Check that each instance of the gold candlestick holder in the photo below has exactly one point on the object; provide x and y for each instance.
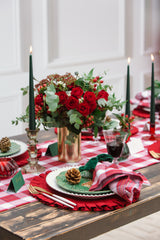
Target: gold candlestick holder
(32, 166)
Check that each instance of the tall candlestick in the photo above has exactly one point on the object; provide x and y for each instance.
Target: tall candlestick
(31, 95)
(152, 105)
(127, 111)
(152, 136)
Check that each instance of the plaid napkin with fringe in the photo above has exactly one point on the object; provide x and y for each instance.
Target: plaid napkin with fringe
(122, 181)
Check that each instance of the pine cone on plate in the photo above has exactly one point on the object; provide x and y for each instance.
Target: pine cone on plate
(73, 176)
(5, 144)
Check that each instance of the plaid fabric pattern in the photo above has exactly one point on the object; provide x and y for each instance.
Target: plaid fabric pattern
(89, 149)
(142, 103)
(122, 181)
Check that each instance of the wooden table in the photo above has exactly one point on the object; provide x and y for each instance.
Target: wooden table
(37, 221)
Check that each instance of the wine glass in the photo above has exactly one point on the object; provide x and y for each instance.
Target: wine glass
(115, 140)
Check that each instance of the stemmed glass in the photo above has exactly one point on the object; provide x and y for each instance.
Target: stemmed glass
(115, 140)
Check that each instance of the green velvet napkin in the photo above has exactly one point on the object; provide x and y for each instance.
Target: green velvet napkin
(91, 164)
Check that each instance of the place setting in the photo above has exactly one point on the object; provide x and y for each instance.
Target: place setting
(10, 151)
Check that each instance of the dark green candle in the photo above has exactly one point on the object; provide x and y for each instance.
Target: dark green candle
(32, 125)
(127, 110)
(152, 105)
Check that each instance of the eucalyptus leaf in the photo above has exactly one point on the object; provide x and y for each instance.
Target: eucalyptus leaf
(77, 126)
(51, 98)
(102, 102)
(90, 74)
(111, 125)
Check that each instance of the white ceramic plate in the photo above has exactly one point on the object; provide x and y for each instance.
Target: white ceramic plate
(23, 148)
(51, 181)
(14, 148)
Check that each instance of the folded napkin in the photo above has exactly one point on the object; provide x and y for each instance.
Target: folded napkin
(91, 164)
(122, 181)
(143, 95)
(142, 100)
(142, 103)
(140, 112)
(154, 147)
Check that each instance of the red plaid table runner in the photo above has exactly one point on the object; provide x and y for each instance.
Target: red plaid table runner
(89, 149)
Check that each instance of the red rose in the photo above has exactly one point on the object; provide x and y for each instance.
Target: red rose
(62, 97)
(39, 99)
(93, 107)
(77, 92)
(90, 97)
(103, 94)
(84, 109)
(72, 103)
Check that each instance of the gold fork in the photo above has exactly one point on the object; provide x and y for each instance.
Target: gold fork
(34, 191)
(54, 195)
(154, 154)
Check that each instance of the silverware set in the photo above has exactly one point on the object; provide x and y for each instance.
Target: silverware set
(62, 200)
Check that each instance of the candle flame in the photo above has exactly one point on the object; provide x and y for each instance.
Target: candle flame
(129, 60)
(30, 49)
(152, 57)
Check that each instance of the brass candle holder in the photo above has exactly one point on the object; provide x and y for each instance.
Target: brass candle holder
(32, 166)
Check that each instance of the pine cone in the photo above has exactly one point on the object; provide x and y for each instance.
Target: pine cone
(5, 144)
(73, 176)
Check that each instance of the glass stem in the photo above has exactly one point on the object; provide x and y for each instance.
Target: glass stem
(32, 166)
(115, 160)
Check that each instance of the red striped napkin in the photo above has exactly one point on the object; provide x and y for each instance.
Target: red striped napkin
(122, 181)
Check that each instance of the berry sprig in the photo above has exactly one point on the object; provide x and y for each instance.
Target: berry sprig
(97, 81)
(89, 121)
(125, 121)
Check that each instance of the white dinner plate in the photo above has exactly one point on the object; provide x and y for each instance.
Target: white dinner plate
(23, 148)
(51, 181)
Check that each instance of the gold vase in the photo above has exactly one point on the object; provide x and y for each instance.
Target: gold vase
(68, 152)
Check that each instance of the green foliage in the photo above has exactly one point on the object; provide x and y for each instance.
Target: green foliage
(113, 102)
(23, 118)
(90, 74)
(111, 125)
(25, 90)
(83, 84)
(102, 102)
(74, 118)
(51, 98)
(156, 88)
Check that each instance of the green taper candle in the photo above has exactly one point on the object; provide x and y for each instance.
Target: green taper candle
(152, 105)
(127, 110)
(32, 125)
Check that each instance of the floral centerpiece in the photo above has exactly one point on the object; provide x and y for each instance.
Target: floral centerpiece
(72, 101)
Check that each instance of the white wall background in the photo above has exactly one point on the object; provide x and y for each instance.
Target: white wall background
(74, 35)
